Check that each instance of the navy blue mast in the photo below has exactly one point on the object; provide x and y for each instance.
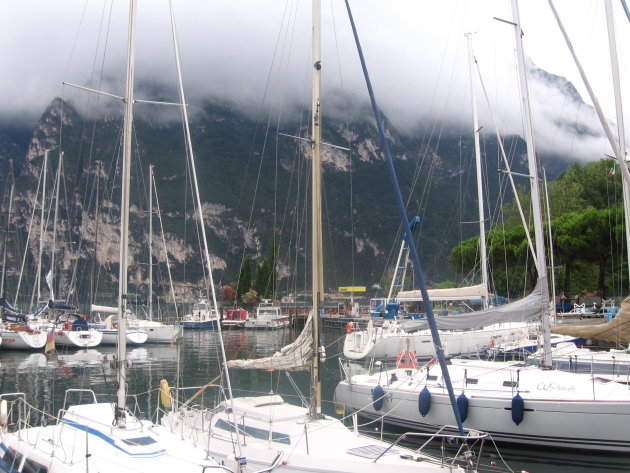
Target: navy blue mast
(407, 231)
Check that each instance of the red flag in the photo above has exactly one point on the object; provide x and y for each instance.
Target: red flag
(50, 343)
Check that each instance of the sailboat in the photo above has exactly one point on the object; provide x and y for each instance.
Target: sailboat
(267, 433)
(15, 330)
(97, 436)
(515, 402)
(463, 333)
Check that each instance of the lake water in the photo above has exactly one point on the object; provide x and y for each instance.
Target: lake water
(195, 362)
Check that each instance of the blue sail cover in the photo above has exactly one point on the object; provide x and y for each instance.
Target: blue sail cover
(60, 305)
(10, 313)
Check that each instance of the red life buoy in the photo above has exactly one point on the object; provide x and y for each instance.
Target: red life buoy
(203, 317)
(491, 343)
(407, 360)
(66, 326)
(349, 327)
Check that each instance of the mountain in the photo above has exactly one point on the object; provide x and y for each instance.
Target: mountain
(253, 183)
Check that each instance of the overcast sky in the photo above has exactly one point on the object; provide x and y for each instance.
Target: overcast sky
(257, 54)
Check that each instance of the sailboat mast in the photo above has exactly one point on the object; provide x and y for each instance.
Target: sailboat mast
(6, 232)
(41, 230)
(151, 242)
(614, 64)
(96, 216)
(54, 238)
(124, 222)
(482, 218)
(541, 261)
(316, 211)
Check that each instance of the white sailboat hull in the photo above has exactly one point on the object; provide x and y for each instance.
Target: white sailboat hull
(132, 337)
(158, 332)
(78, 338)
(23, 340)
(387, 341)
(299, 444)
(267, 324)
(561, 409)
(89, 442)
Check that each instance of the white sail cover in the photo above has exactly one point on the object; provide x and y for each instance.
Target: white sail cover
(295, 356)
(104, 309)
(450, 294)
(532, 307)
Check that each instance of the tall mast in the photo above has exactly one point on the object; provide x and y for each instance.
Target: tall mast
(54, 238)
(206, 251)
(541, 262)
(316, 210)
(124, 222)
(614, 64)
(6, 232)
(482, 218)
(151, 242)
(41, 230)
(96, 216)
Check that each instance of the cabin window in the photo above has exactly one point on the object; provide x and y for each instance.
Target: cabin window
(139, 441)
(255, 432)
(31, 466)
(472, 380)
(10, 460)
(510, 384)
(431, 377)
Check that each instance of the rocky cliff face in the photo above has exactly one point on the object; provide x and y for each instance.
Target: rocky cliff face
(253, 185)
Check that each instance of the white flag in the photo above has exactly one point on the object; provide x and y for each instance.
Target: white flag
(49, 282)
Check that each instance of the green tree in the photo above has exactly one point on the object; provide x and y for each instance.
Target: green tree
(244, 283)
(266, 275)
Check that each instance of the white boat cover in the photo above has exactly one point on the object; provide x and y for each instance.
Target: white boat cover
(104, 309)
(617, 330)
(295, 356)
(532, 307)
(450, 294)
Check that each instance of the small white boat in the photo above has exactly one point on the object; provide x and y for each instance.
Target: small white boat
(157, 331)
(22, 337)
(277, 436)
(268, 317)
(109, 330)
(202, 317)
(83, 439)
(72, 331)
(388, 340)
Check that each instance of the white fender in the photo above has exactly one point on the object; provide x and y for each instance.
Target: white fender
(3, 414)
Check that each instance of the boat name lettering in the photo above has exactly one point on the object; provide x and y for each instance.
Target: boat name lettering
(555, 387)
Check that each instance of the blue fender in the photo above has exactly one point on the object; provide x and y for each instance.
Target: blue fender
(462, 406)
(518, 409)
(424, 401)
(378, 397)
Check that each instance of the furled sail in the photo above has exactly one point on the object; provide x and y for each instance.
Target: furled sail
(529, 308)
(449, 294)
(104, 309)
(295, 356)
(617, 330)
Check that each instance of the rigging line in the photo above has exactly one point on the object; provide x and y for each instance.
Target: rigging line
(404, 220)
(348, 145)
(153, 188)
(254, 138)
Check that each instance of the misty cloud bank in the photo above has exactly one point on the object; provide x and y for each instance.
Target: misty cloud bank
(417, 60)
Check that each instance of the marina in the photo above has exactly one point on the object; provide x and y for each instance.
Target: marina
(194, 362)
